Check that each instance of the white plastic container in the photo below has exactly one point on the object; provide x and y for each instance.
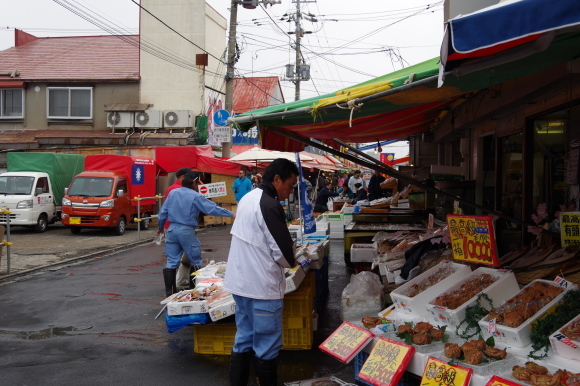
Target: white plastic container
(503, 288)
(223, 310)
(563, 346)
(417, 304)
(520, 336)
(363, 253)
(186, 308)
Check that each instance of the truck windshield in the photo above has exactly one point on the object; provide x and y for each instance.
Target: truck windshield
(16, 185)
(91, 187)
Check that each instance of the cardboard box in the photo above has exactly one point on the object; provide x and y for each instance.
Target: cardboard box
(520, 336)
(186, 308)
(293, 281)
(223, 310)
(503, 288)
(563, 346)
(416, 304)
(363, 253)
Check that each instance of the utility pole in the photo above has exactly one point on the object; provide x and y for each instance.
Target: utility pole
(231, 57)
(298, 53)
(300, 71)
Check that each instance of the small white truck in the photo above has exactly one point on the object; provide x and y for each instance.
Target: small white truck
(33, 187)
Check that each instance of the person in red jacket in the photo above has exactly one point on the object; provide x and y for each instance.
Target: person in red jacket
(179, 174)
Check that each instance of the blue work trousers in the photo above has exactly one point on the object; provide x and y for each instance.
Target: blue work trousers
(182, 239)
(259, 324)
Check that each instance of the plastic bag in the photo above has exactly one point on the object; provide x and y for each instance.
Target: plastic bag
(329, 204)
(365, 283)
(177, 322)
(159, 239)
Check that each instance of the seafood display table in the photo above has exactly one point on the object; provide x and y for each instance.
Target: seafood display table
(481, 373)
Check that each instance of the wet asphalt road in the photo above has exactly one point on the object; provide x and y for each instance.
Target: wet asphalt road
(93, 323)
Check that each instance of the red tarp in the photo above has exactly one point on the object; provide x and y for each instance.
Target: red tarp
(141, 172)
(198, 158)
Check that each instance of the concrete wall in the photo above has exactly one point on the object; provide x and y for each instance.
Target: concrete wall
(35, 107)
(179, 87)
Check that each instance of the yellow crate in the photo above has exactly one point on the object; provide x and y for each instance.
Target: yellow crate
(214, 338)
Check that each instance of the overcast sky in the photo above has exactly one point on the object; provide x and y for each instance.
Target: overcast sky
(351, 41)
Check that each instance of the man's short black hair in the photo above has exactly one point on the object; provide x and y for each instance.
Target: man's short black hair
(357, 185)
(180, 172)
(189, 178)
(357, 171)
(242, 170)
(282, 167)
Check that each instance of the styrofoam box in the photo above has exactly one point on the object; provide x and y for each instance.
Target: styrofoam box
(336, 226)
(363, 253)
(564, 346)
(503, 288)
(416, 305)
(520, 336)
(186, 308)
(223, 310)
(294, 280)
(347, 209)
(336, 235)
(347, 218)
(334, 217)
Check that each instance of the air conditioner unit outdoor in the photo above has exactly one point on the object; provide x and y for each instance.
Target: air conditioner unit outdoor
(120, 119)
(175, 119)
(148, 119)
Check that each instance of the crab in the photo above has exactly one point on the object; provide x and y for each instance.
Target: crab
(545, 380)
(513, 318)
(521, 373)
(495, 353)
(422, 327)
(437, 334)
(452, 350)
(405, 328)
(572, 331)
(421, 338)
(473, 357)
(536, 368)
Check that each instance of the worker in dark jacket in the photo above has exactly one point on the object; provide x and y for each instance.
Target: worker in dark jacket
(322, 199)
(361, 193)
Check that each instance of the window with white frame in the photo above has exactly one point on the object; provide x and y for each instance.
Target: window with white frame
(11, 103)
(70, 102)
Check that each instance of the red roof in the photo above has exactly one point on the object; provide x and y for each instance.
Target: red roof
(84, 58)
(256, 93)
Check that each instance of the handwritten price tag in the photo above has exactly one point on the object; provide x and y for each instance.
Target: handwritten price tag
(499, 381)
(473, 239)
(491, 326)
(440, 373)
(346, 341)
(387, 362)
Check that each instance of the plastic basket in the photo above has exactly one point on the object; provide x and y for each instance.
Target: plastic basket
(215, 338)
(297, 319)
(359, 361)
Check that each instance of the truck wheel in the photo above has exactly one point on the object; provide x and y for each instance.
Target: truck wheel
(75, 230)
(120, 228)
(41, 223)
(145, 224)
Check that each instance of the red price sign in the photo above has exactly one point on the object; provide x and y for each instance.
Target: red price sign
(440, 373)
(473, 239)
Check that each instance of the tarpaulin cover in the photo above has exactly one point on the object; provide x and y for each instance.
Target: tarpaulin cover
(511, 21)
(141, 173)
(61, 168)
(198, 158)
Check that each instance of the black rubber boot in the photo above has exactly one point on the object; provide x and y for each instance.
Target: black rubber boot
(169, 275)
(266, 372)
(240, 368)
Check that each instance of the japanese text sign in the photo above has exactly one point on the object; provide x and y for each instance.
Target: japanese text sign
(440, 373)
(570, 228)
(222, 134)
(473, 239)
(387, 362)
(498, 381)
(213, 190)
(346, 341)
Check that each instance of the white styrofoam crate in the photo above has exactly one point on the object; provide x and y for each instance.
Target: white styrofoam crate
(336, 226)
(347, 218)
(363, 253)
(355, 308)
(186, 308)
(223, 310)
(336, 235)
(293, 281)
(416, 305)
(564, 346)
(520, 336)
(503, 288)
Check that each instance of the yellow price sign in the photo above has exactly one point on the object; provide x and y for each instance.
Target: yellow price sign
(499, 381)
(346, 341)
(386, 363)
(473, 239)
(440, 373)
(570, 228)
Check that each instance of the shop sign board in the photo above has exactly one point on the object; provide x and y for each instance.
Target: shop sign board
(473, 239)
(499, 381)
(346, 341)
(440, 373)
(216, 189)
(386, 363)
(222, 134)
(570, 228)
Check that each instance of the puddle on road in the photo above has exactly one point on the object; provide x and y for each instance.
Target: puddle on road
(50, 332)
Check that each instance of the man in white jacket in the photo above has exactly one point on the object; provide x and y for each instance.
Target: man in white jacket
(261, 250)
